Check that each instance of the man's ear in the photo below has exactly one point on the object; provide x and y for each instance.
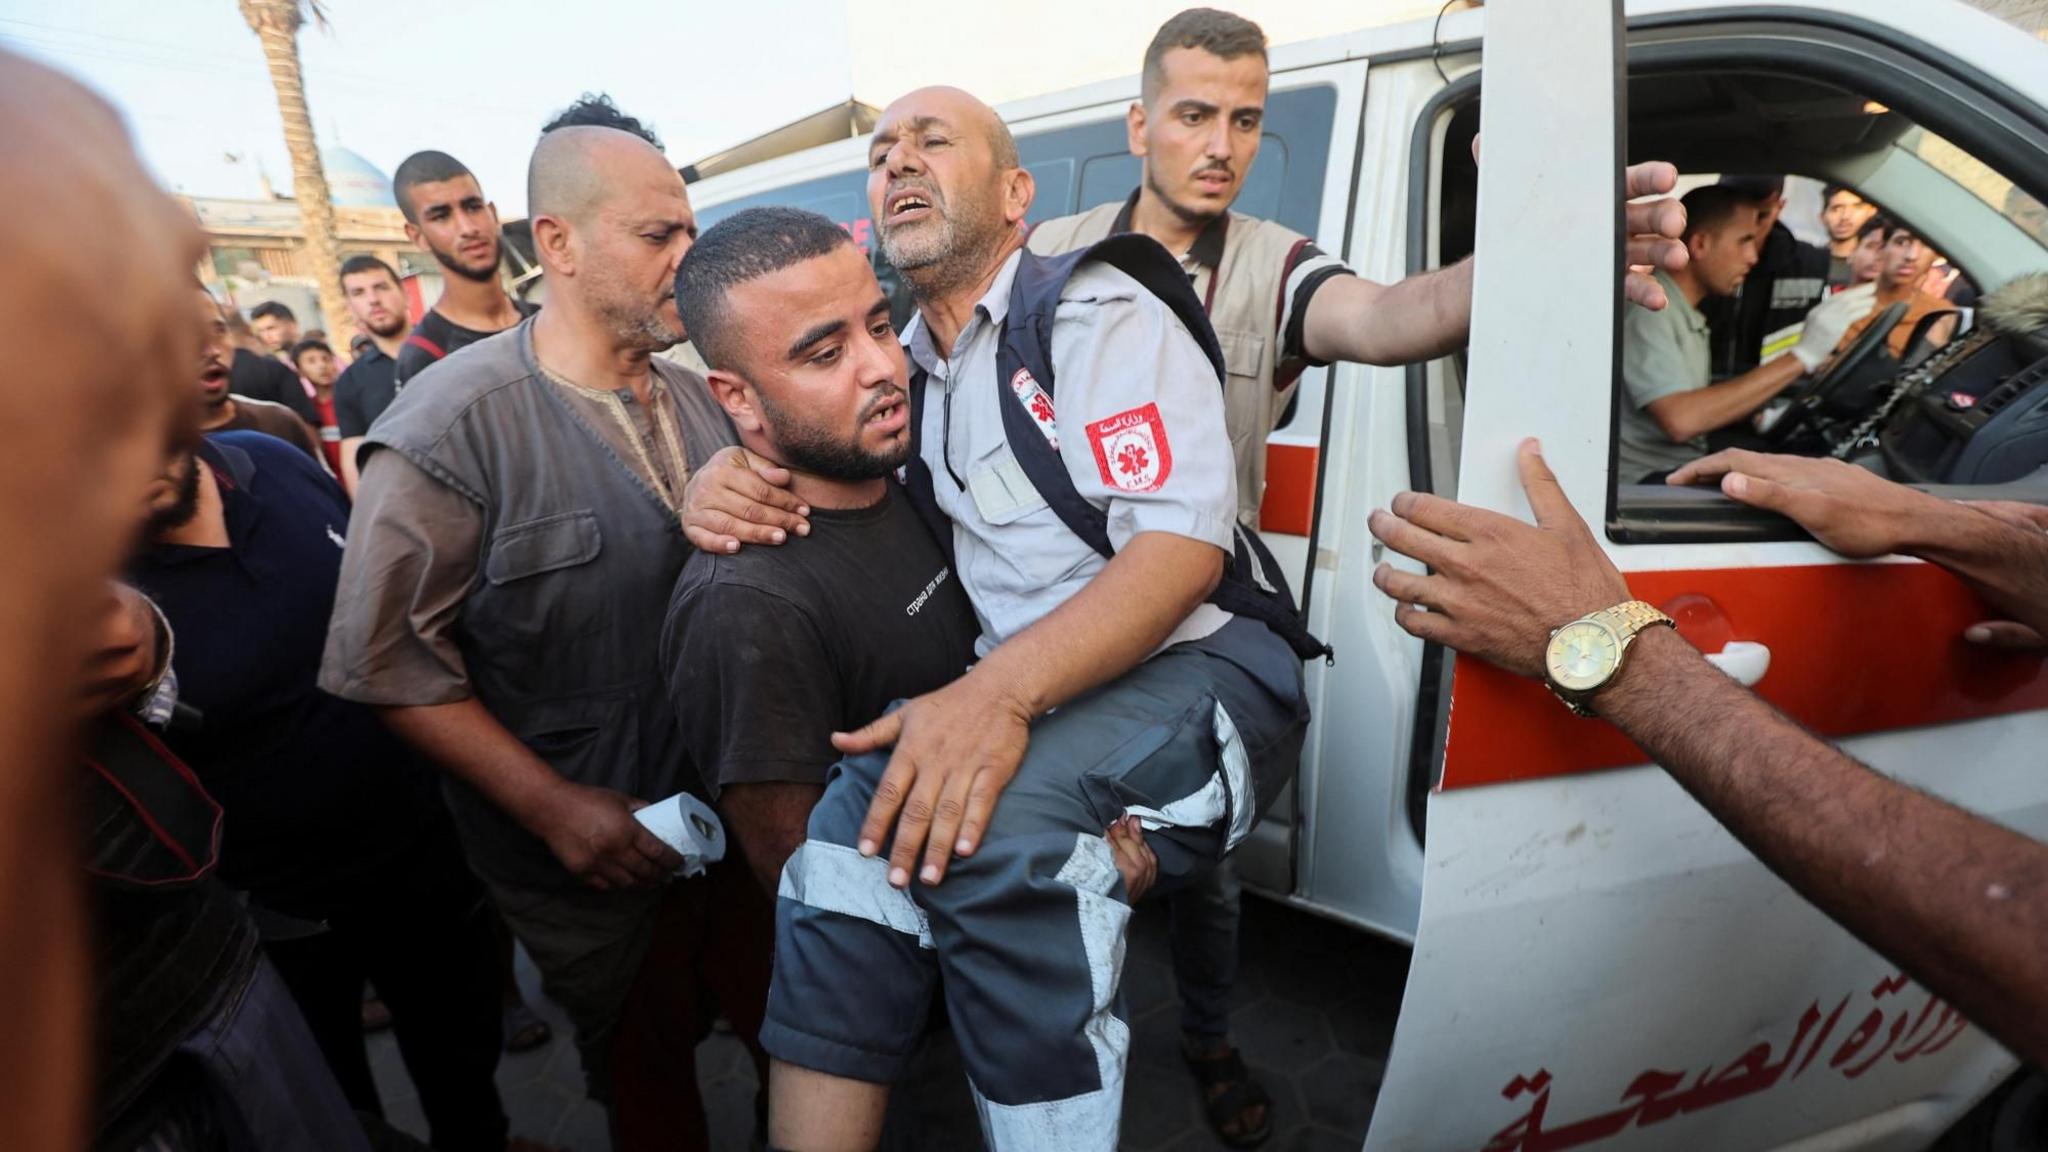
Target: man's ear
(731, 392)
(1017, 196)
(412, 233)
(1134, 128)
(491, 206)
(551, 245)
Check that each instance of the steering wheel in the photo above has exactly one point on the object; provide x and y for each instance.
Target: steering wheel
(1815, 394)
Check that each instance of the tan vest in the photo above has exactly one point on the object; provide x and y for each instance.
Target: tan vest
(1242, 293)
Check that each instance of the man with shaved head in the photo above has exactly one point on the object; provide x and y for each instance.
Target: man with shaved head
(512, 550)
(447, 217)
(1067, 441)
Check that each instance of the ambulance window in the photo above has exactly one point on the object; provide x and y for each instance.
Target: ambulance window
(1953, 393)
(1444, 199)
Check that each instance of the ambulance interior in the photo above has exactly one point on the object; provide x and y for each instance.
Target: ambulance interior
(1970, 199)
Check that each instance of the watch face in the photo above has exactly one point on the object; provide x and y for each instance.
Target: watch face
(1582, 656)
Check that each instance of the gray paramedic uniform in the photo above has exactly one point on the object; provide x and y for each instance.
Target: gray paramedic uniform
(1028, 932)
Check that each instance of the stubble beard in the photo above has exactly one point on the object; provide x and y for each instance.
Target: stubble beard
(485, 275)
(809, 448)
(933, 266)
(183, 506)
(1193, 217)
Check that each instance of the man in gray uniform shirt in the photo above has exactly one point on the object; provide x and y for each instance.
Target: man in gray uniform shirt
(514, 543)
(1106, 687)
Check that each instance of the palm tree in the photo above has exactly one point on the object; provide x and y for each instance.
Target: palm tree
(276, 24)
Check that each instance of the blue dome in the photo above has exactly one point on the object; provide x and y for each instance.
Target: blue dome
(354, 182)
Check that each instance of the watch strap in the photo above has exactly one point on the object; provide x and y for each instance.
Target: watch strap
(1631, 617)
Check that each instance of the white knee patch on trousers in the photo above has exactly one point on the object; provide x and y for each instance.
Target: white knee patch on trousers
(1089, 1122)
(835, 878)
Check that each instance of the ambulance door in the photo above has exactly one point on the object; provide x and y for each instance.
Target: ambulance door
(1598, 962)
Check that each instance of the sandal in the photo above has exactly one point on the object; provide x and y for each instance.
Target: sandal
(525, 1031)
(1229, 1094)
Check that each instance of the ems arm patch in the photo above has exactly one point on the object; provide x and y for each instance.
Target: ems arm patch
(1131, 450)
(1037, 403)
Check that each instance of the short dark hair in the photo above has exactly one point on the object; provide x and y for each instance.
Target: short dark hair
(596, 110)
(423, 168)
(1757, 187)
(273, 309)
(1710, 206)
(356, 265)
(1219, 33)
(305, 346)
(1879, 223)
(1828, 192)
(744, 246)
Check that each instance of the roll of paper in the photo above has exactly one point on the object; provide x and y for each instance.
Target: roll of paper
(689, 826)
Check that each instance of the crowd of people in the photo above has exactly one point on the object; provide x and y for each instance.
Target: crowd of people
(407, 634)
(1757, 311)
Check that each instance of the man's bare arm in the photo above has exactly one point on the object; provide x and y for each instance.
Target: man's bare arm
(1996, 548)
(590, 830)
(1688, 414)
(1421, 318)
(1958, 902)
(769, 820)
(350, 474)
(956, 748)
(1430, 314)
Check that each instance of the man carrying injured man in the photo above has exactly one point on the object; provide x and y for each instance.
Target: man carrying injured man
(1107, 683)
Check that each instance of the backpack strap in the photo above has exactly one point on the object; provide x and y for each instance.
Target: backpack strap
(917, 475)
(425, 345)
(1252, 585)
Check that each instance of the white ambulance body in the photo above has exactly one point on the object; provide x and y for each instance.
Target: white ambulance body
(1595, 960)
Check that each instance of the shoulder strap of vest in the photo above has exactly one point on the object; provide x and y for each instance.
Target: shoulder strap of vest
(917, 475)
(425, 345)
(1253, 586)
(1025, 358)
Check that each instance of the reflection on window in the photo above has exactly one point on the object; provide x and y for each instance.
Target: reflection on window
(1973, 175)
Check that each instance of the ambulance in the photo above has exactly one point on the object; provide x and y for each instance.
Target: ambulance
(1596, 962)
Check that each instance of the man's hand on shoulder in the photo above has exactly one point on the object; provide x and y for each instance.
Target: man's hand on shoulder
(1497, 587)
(739, 498)
(956, 749)
(593, 833)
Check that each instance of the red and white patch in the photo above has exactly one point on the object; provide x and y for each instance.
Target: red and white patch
(1037, 403)
(1131, 449)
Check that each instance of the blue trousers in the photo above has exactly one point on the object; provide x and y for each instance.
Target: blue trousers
(1026, 936)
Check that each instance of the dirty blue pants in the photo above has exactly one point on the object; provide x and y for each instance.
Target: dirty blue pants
(1026, 936)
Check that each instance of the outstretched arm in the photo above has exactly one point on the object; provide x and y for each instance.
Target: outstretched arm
(1957, 901)
(1999, 548)
(1430, 314)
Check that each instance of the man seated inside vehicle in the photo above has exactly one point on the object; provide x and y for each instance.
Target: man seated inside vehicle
(1670, 404)
(1902, 266)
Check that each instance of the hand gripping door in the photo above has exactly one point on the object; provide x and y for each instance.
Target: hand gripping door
(1598, 963)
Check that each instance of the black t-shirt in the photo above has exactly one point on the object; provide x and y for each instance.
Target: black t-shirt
(363, 391)
(318, 795)
(435, 337)
(771, 650)
(266, 378)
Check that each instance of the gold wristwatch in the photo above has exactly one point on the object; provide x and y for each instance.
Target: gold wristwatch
(1586, 654)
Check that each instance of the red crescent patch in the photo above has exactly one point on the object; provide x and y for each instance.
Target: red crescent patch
(1131, 450)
